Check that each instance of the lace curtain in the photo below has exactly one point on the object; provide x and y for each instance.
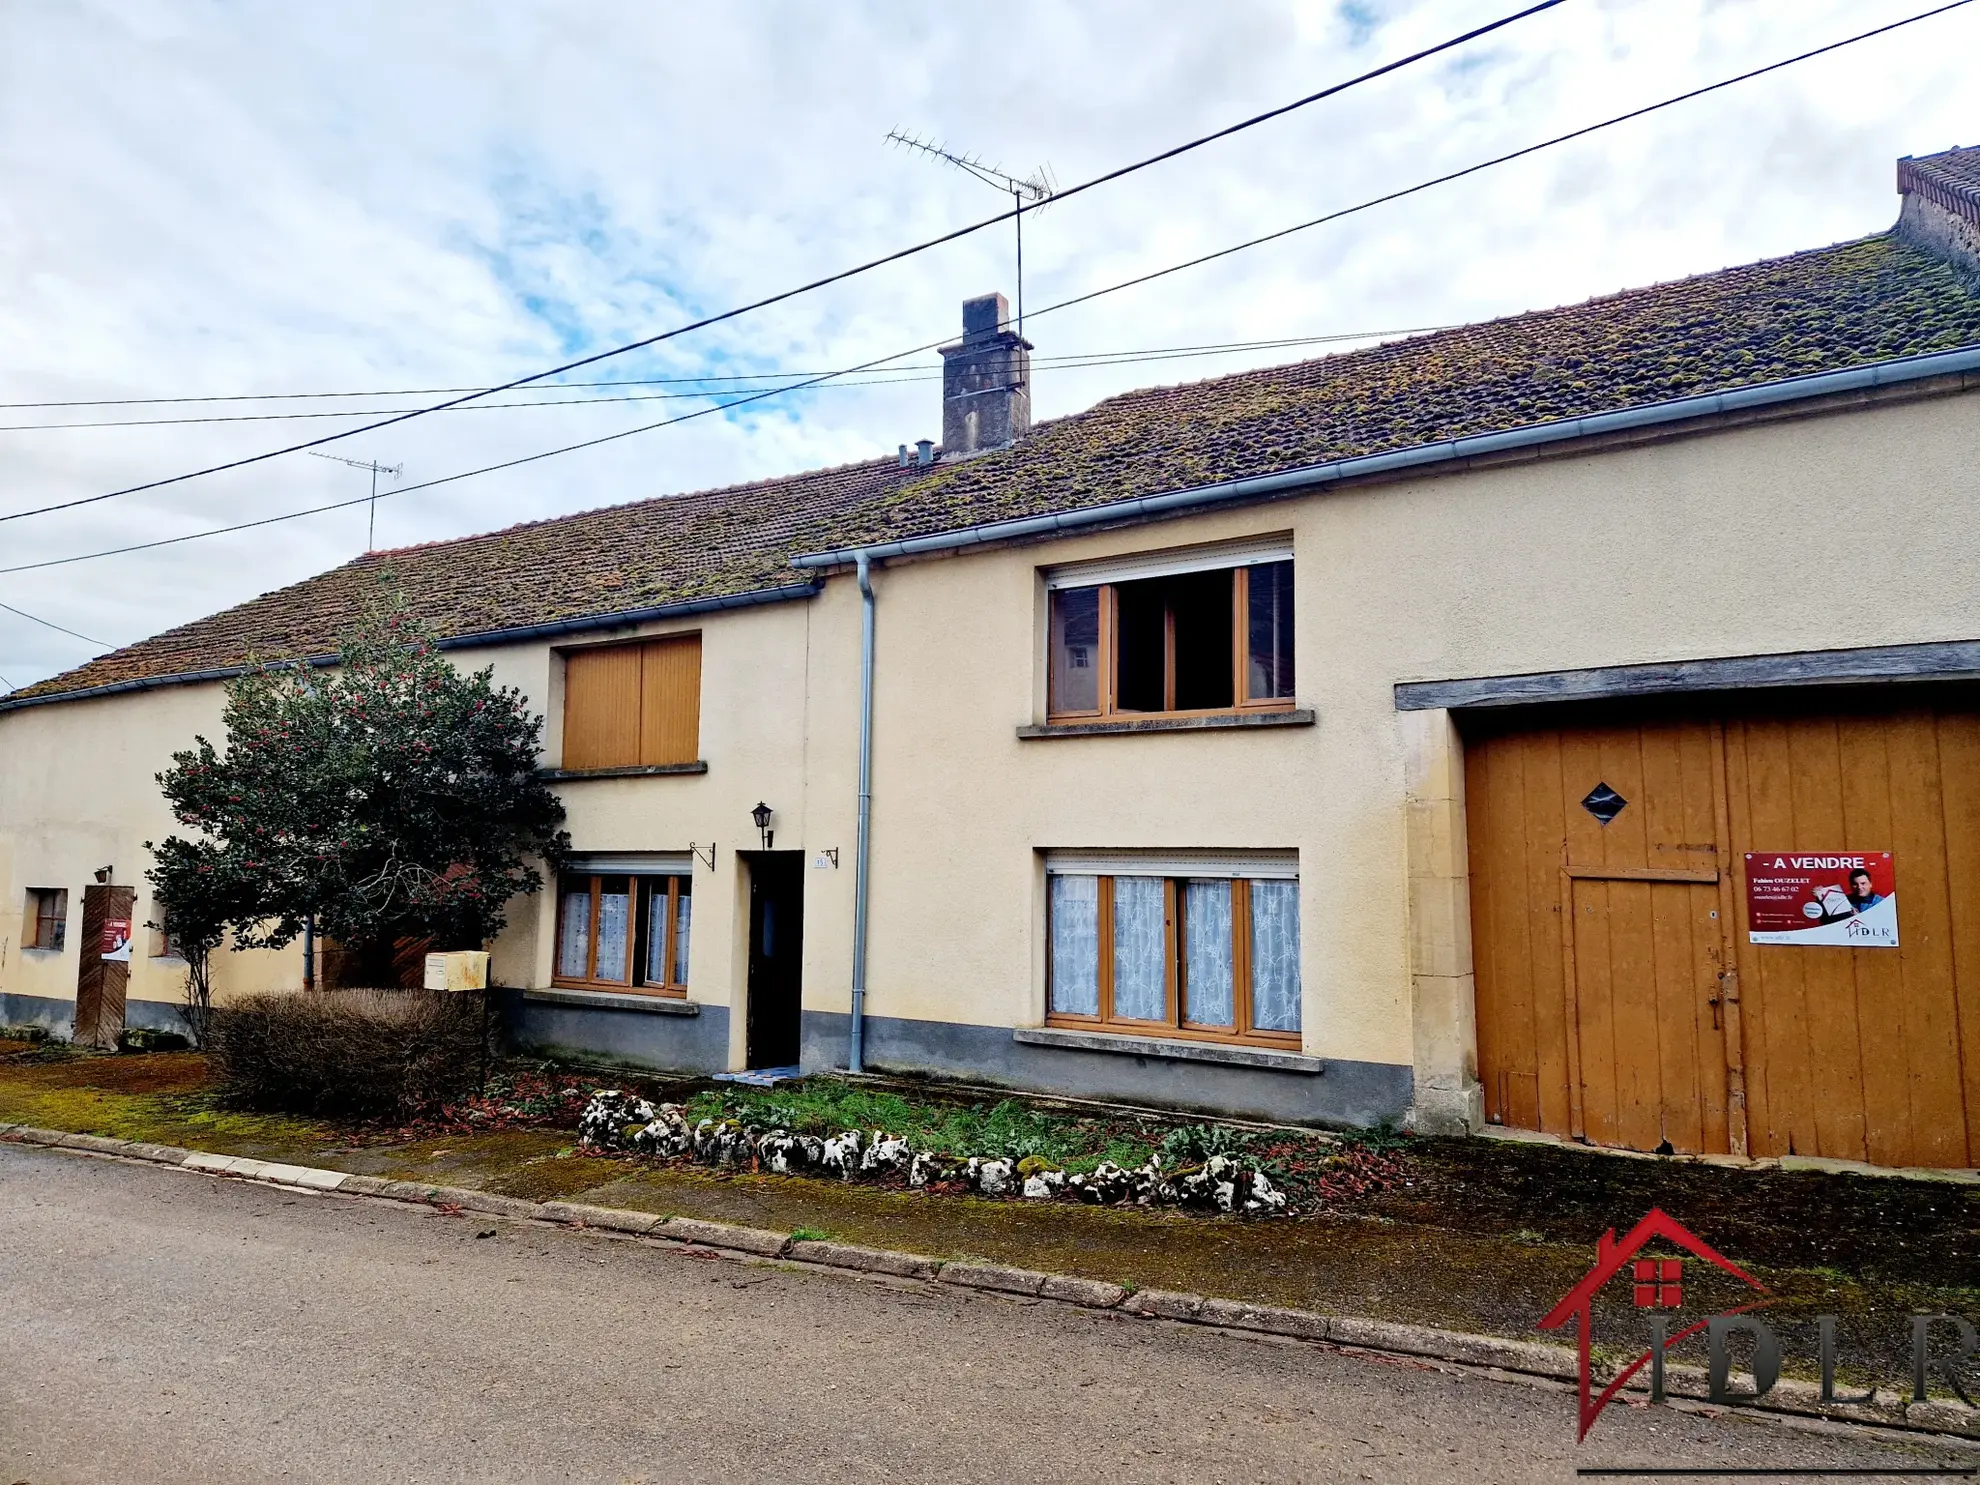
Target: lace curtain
(683, 913)
(614, 920)
(576, 943)
(1141, 990)
(1075, 914)
(1207, 952)
(1275, 955)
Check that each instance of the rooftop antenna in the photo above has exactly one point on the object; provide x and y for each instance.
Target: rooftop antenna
(371, 520)
(1038, 188)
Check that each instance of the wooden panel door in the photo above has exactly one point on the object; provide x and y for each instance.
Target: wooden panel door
(1866, 1054)
(103, 969)
(1646, 959)
(1599, 934)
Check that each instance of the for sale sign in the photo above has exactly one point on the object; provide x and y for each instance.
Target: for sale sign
(1822, 897)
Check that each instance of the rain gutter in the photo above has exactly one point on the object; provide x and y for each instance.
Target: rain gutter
(862, 848)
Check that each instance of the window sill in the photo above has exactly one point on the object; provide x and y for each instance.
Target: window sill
(612, 1000)
(1175, 1051)
(1221, 722)
(629, 771)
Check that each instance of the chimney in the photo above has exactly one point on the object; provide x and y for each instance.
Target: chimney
(986, 382)
(1940, 210)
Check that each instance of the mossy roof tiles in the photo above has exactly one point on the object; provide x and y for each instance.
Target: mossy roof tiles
(1848, 305)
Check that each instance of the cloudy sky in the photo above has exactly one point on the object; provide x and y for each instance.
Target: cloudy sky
(215, 200)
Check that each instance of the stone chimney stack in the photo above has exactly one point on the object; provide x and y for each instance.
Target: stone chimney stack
(1940, 211)
(986, 382)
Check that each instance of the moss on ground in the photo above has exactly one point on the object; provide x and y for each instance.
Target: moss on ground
(159, 1097)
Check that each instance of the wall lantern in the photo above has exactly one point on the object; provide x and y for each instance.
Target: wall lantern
(762, 815)
(104, 873)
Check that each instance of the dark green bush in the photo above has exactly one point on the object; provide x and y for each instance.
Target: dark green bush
(368, 1053)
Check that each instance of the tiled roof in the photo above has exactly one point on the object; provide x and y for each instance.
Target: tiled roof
(1951, 179)
(1849, 305)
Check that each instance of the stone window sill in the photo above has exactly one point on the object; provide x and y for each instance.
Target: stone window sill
(631, 771)
(1176, 1051)
(1226, 722)
(605, 1000)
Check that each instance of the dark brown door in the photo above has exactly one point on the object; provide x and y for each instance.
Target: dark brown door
(103, 969)
(776, 957)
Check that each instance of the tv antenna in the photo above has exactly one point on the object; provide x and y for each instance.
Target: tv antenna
(371, 519)
(1036, 189)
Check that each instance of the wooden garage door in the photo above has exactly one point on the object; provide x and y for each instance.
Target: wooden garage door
(1618, 998)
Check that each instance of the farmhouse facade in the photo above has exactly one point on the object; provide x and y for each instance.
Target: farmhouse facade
(1381, 737)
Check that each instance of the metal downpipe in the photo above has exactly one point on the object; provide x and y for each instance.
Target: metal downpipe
(856, 1045)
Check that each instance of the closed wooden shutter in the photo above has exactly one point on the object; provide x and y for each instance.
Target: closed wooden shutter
(601, 707)
(633, 705)
(670, 700)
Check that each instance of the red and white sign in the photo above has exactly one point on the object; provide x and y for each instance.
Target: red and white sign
(1822, 897)
(116, 941)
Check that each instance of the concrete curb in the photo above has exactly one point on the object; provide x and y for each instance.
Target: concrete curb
(1494, 1353)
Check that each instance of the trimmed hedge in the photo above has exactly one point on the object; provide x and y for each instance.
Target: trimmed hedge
(368, 1053)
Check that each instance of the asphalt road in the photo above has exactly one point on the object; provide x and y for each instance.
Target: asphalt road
(162, 1326)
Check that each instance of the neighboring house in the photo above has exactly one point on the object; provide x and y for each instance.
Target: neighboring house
(1367, 739)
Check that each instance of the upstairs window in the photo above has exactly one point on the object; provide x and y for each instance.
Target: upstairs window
(624, 932)
(47, 918)
(1144, 948)
(1181, 643)
(631, 706)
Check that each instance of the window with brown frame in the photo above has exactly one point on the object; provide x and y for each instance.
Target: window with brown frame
(1202, 957)
(1187, 644)
(47, 918)
(623, 932)
(629, 706)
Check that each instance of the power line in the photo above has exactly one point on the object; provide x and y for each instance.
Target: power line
(1156, 353)
(829, 279)
(50, 624)
(1334, 216)
(1053, 363)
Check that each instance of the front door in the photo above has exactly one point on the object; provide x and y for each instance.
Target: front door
(776, 957)
(104, 966)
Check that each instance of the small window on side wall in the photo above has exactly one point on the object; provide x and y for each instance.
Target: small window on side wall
(1191, 644)
(1214, 958)
(47, 925)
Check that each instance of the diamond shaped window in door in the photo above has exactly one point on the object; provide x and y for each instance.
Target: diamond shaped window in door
(1603, 803)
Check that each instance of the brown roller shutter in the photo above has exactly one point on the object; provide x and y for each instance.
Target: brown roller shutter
(670, 700)
(601, 707)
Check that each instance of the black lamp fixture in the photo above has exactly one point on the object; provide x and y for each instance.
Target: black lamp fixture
(762, 815)
(104, 873)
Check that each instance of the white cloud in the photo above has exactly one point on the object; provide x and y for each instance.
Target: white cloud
(204, 199)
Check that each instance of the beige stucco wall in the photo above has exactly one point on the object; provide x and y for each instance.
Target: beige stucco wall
(1814, 533)
(1845, 530)
(78, 792)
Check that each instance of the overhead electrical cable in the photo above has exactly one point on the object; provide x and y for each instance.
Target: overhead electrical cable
(1156, 353)
(1051, 363)
(51, 624)
(1333, 216)
(832, 278)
